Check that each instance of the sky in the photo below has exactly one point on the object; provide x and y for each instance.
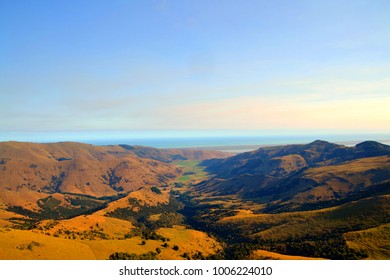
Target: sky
(98, 69)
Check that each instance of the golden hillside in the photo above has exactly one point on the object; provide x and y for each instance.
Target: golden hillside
(78, 168)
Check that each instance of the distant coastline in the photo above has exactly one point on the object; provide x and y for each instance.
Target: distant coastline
(234, 144)
(236, 149)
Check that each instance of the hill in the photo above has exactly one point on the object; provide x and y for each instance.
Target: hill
(318, 200)
(170, 155)
(317, 153)
(312, 176)
(78, 168)
(28, 245)
(66, 179)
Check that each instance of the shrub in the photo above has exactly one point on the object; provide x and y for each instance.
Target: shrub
(155, 190)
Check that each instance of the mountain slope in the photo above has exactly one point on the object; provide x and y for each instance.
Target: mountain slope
(289, 176)
(317, 153)
(66, 179)
(77, 168)
(169, 155)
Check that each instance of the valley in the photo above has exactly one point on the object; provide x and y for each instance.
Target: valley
(77, 201)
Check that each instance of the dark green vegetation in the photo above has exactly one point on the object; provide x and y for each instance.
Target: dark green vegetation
(155, 190)
(311, 233)
(30, 246)
(75, 205)
(54, 185)
(127, 256)
(113, 180)
(139, 214)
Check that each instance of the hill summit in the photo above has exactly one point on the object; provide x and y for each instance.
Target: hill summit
(295, 176)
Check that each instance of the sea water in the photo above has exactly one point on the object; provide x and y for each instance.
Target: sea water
(241, 144)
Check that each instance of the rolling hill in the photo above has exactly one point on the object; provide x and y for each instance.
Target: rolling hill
(78, 168)
(78, 201)
(319, 200)
(311, 176)
(170, 155)
(61, 180)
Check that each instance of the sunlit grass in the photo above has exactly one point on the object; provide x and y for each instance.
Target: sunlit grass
(192, 171)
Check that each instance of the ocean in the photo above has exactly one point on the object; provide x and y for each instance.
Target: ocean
(241, 144)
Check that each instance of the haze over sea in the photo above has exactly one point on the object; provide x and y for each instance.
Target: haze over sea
(234, 142)
(240, 143)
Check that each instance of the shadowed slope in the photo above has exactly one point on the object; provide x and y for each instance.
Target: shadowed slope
(292, 175)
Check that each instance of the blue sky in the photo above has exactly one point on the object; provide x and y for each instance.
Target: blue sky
(77, 69)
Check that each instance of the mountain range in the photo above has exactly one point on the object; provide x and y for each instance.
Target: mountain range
(300, 176)
(315, 200)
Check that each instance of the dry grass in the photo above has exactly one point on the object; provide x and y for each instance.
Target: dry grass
(102, 249)
(352, 171)
(21, 244)
(79, 168)
(5, 216)
(267, 255)
(374, 241)
(147, 197)
(144, 196)
(189, 241)
(154, 218)
(26, 245)
(92, 226)
(24, 198)
(316, 222)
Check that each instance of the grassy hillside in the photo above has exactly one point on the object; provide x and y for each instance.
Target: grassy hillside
(171, 155)
(27, 245)
(302, 177)
(319, 200)
(374, 241)
(316, 233)
(78, 169)
(267, 255)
